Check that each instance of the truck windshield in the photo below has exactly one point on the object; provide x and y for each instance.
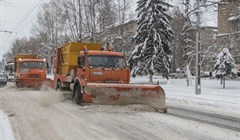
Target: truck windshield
(106, 61)
(31, 65)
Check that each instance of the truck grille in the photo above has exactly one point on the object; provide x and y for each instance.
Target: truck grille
(34, 75)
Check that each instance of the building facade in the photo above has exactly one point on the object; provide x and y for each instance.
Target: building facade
(229, 27)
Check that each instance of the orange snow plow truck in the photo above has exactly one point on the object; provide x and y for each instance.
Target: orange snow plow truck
(30, 71)
(98, 76)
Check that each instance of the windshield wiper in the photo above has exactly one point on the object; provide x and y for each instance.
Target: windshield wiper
(112, 66)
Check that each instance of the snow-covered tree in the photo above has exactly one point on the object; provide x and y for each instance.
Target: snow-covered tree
(154, 36)
(224, 64)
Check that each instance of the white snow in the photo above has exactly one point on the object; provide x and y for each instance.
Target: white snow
(224, 60)
(234, 18)
(212, 98)
(50, 76)
(5, 128)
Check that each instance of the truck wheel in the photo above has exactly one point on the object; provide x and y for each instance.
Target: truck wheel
(77, 95)
(59, 86)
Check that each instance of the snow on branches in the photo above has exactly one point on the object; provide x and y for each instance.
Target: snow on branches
(152, 53)
(224, 63)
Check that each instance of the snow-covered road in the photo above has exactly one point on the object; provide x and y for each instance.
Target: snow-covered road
(47, 115)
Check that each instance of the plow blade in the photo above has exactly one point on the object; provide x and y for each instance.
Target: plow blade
(125, 94)
(33, 83)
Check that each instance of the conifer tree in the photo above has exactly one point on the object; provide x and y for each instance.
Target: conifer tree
(153, 39)
(224, 64)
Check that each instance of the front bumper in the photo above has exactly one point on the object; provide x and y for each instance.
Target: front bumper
(30, 82)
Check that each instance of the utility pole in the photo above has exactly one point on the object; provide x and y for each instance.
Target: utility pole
(198, 58)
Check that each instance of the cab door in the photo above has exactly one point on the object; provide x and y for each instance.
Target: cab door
(82, 69)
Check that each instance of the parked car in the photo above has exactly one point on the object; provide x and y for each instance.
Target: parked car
(179, 74)
(205, 74)
(3, 79)
(11, 77)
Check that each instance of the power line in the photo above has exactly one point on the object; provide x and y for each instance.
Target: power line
(5, 31)
(12, 22)
(27, 22)
(23, 19)
(27, 14)
(21, 29)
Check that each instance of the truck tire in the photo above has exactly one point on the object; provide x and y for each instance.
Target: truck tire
(77, 95)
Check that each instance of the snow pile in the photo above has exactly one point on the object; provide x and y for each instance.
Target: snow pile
(5, 129)
(50, 76)
(212, 98)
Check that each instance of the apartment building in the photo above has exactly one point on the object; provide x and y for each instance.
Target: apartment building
(229, 27)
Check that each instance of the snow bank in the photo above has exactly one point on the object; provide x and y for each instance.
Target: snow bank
(212, 98)
(5, 128)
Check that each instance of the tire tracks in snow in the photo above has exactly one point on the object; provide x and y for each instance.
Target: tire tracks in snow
(223, 121)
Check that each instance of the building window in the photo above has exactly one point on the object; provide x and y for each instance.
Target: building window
(238, 9)
(238, 27)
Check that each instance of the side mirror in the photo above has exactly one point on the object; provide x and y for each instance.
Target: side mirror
(82, 67)
(47, 65)
(127, 65)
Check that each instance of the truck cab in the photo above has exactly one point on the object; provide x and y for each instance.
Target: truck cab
(102, 67)
(30, 71)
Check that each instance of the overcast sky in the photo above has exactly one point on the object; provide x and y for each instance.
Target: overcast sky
(16, 16)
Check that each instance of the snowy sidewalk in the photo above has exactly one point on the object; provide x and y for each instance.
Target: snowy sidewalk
(6, 132)
(213, 97)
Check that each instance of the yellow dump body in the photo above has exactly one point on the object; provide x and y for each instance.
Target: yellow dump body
(23, 56)
(26, 56)
(69, 55)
